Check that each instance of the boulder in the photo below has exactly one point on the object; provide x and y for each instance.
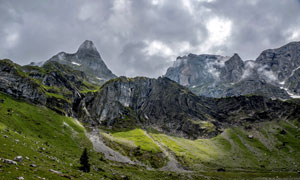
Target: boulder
(19, 158)
(250, 136)
(8, 161)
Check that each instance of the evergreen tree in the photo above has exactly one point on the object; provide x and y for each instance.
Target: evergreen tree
(84, 161)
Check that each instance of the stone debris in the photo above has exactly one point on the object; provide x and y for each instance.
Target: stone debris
(54, 171)
(20, 178)
(33, 165)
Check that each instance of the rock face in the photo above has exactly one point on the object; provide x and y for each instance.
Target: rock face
(196, 70)
(54, 85)
(164, 105)
(161, 103)
(88, 60)
(233, 70)
(281, 61)
(273, 74)
(293, 82)
(13, 81)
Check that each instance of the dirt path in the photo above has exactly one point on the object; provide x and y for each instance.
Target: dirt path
(173, 164)
(232, 144)
(99, 146)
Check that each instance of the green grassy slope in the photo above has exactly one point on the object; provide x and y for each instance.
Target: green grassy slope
(52, 141)
(138, 146)
(268, 149)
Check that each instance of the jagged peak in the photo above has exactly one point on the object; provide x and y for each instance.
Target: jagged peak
(87, 44)
(236, 56)
(88, 47)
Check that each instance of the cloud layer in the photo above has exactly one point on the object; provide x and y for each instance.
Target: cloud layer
(144, 37)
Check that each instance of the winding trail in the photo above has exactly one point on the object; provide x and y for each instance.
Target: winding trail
(173, 164)
(99, 146)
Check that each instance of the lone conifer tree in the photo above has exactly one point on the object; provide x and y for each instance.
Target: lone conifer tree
(84, 161)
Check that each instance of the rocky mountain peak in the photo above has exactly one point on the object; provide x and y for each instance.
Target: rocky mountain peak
(235, 59)
(88, 60)
(88, 48)
(233, 69)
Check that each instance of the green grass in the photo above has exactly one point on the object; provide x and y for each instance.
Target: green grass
(58, 96)
(136, 137)
(190, 152)
(30, 129)
(137, 145)
(234, 150)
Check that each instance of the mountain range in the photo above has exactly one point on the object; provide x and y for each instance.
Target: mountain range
(209, 116)
(273, 74)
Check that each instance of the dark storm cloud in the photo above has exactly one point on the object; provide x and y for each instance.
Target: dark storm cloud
(143, 37)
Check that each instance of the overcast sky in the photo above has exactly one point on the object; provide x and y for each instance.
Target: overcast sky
(144, 37)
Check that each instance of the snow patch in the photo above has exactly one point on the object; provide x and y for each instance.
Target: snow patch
(293, 72)
(75, 63)
(295, 96)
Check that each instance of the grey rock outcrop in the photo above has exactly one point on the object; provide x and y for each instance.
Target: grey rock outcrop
(282, 61)
(196, 70)
(14, 82)
(233, 70)
(293, 82)
(54, 85)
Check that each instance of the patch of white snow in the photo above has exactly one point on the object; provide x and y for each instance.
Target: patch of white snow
(75, 63)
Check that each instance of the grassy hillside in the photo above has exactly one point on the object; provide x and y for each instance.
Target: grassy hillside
(138, 146)
(52, 141)
(269, 146)
(269, 149)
